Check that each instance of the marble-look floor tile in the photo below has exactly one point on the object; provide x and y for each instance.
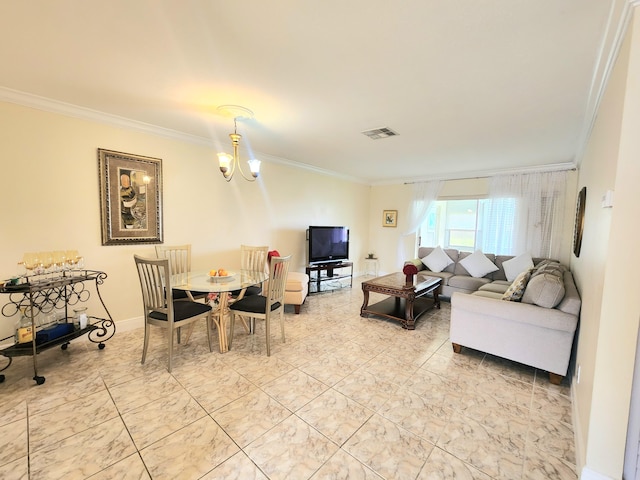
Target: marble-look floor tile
(501, 424)
(16, 470)
(366, 389)
(84, 453)
(130, 468)
(58, 391)
(250, 416)
(540, 465)
(292, 449)
(497, 451)
(329, 368)
(444, 466)
(142, 390)
(238, 467)
(555, 438)
(160, 418)
(13, 441)
(335, 416)
(13, 406)
(389, 450)
(294, 389)
(551, 406)
(190, 452)
(227, 388)
(343, 466)
(56, 424)
(416, 414)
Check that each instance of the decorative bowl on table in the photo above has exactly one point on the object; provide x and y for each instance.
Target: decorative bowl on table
(226, 275)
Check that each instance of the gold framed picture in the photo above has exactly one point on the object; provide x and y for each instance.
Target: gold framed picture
(130, 198)
(389, 218)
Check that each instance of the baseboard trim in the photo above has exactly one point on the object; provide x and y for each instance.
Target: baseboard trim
(588, 474)
(581, 459)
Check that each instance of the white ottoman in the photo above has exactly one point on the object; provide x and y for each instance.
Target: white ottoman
(296, 289)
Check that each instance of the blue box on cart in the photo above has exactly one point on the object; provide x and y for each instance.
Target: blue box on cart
(50, 334)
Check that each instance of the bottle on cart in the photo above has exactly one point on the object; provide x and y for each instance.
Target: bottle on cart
(24, 328)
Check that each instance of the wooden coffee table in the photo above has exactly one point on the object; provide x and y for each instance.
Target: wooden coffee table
(406, 302)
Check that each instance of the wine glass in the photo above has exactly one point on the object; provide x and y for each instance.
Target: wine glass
(46, 261)
(72, 258)
(59, 260)
(31, 262)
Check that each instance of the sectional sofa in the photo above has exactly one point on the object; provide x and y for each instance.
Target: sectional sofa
(525, 309)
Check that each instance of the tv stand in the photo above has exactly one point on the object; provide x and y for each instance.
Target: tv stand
(317, 278)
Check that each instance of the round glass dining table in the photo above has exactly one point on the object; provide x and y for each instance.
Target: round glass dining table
(201, 281)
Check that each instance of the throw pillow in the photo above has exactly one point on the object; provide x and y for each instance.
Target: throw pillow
(548, 266)
(517, 265)
(516, 289)
(545, 290)
(437, 260)
(478, 265)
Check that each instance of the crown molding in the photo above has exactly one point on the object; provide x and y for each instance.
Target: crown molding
(607, 56)
(554, 167)
(83, 113)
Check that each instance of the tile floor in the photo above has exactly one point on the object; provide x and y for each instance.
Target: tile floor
(344, 397)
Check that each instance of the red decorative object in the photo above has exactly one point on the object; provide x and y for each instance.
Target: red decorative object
(410, 270)
(272, 253)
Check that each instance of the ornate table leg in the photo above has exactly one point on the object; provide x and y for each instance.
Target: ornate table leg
(409, 321)
(366, 301)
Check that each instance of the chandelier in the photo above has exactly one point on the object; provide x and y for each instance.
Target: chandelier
(229, 163)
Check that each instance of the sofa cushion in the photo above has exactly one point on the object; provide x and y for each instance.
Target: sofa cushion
(496, 287)
(478, 265)
(437, 260)
(487, 294)
(517, 265)
(515, 292)
(445, 276)
(465, 282)
(545, 290)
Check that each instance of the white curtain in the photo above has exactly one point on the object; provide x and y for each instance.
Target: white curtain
(424, 195)
(524, 214)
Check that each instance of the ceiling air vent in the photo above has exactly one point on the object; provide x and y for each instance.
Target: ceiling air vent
(378, 133)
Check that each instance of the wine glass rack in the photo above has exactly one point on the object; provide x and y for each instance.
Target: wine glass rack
(45, 293)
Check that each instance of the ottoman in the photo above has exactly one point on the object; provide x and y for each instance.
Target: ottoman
(296, 289)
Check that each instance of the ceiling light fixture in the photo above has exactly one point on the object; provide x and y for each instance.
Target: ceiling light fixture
(229, 163)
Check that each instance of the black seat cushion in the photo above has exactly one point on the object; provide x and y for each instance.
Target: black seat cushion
(253, 304)
(252, 290)
(182, 294)
(183, 310)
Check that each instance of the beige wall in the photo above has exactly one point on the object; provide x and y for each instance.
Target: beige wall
(606, 271)
(49, 186)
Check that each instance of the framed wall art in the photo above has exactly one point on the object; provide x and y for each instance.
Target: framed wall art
(578, 228)
(130, 198)
(389, 218)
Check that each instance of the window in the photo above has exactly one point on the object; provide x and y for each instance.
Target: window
(471, 224)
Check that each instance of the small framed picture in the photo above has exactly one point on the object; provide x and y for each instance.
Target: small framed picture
(389, 218)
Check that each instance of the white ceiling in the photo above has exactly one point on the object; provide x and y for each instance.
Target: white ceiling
(471, 86)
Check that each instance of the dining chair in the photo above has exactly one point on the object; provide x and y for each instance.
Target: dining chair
(265, 306)
(252, 258)
(179, 257)
(161, 309)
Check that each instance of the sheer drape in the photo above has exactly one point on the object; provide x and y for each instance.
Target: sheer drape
(424, 195)
(524, 214)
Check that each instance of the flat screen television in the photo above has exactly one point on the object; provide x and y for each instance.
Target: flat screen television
(328, 244)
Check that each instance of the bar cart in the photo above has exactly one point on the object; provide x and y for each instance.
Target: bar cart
(43, 294)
